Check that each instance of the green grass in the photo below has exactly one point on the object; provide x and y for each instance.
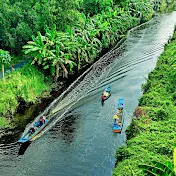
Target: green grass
(151, 134)
(4, 123)
(25, 84)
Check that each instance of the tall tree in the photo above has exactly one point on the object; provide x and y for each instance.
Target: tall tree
(4, 58)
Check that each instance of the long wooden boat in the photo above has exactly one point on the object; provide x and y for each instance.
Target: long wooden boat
(106, 94)
(117, 126)
(31, 136)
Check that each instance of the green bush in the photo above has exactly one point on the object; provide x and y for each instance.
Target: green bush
(121, 154)
(4, 122)
(93, 7)
(133, 129)
(25, 84)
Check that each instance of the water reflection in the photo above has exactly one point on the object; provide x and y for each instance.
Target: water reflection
(66, 128)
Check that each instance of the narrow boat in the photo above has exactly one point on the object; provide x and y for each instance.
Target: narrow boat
(33, 132)
(106, 94)
(117, 126)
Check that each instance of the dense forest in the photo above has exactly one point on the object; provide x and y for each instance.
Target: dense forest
(58, 38)
(150, 137)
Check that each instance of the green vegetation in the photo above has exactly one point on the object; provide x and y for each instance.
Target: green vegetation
(151, 134)
(158, 169)
(25, 84)
(175, 157)
(63, 52)
(5, 58)
(19, 19)
(4, 122)
(65, 36)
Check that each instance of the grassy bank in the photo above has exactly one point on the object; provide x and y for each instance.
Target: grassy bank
(151, 134)
(23, 85)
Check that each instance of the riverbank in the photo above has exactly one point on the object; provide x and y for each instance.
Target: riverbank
(150, 137)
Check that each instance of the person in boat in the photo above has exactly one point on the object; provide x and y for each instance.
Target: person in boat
(105, 94)
(102, 97)
(41, 122)
(31, 130)
(115, 117)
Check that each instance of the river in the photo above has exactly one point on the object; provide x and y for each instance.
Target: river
(79, 139)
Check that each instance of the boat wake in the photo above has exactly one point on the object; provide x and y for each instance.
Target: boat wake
(147, 40)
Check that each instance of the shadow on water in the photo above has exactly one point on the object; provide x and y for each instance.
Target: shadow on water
(66, 128)
(23, 148)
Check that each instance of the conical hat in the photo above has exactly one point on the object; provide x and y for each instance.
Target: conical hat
(105, 94)
(115, 116)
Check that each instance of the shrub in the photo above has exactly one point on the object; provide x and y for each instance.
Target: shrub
(122, 153)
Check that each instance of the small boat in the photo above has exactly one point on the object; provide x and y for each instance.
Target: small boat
(117, 126)
(33, 132)
(106, 94)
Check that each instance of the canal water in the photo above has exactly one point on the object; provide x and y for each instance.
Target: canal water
(79, 139)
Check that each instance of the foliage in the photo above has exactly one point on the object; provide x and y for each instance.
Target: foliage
(158, 169)
(51, 50)
(83, 42)
(151, 134)
(93, 7)
(80, 44)
(20, 19)
(5, 58)
(24, 84)
(4, 123)
(122, 153)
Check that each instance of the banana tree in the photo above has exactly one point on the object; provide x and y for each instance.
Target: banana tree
(60, 59)
(51, 34)
(39, 48)
(82, 38)
(4, 58)
(158, 169)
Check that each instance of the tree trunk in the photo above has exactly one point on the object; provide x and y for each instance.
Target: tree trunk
(64, 70)
(57, 71)
(3, 71)
(78, 62)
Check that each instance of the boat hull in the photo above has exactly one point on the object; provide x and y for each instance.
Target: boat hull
(30, 137)
(106, 93)
(117, 126)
